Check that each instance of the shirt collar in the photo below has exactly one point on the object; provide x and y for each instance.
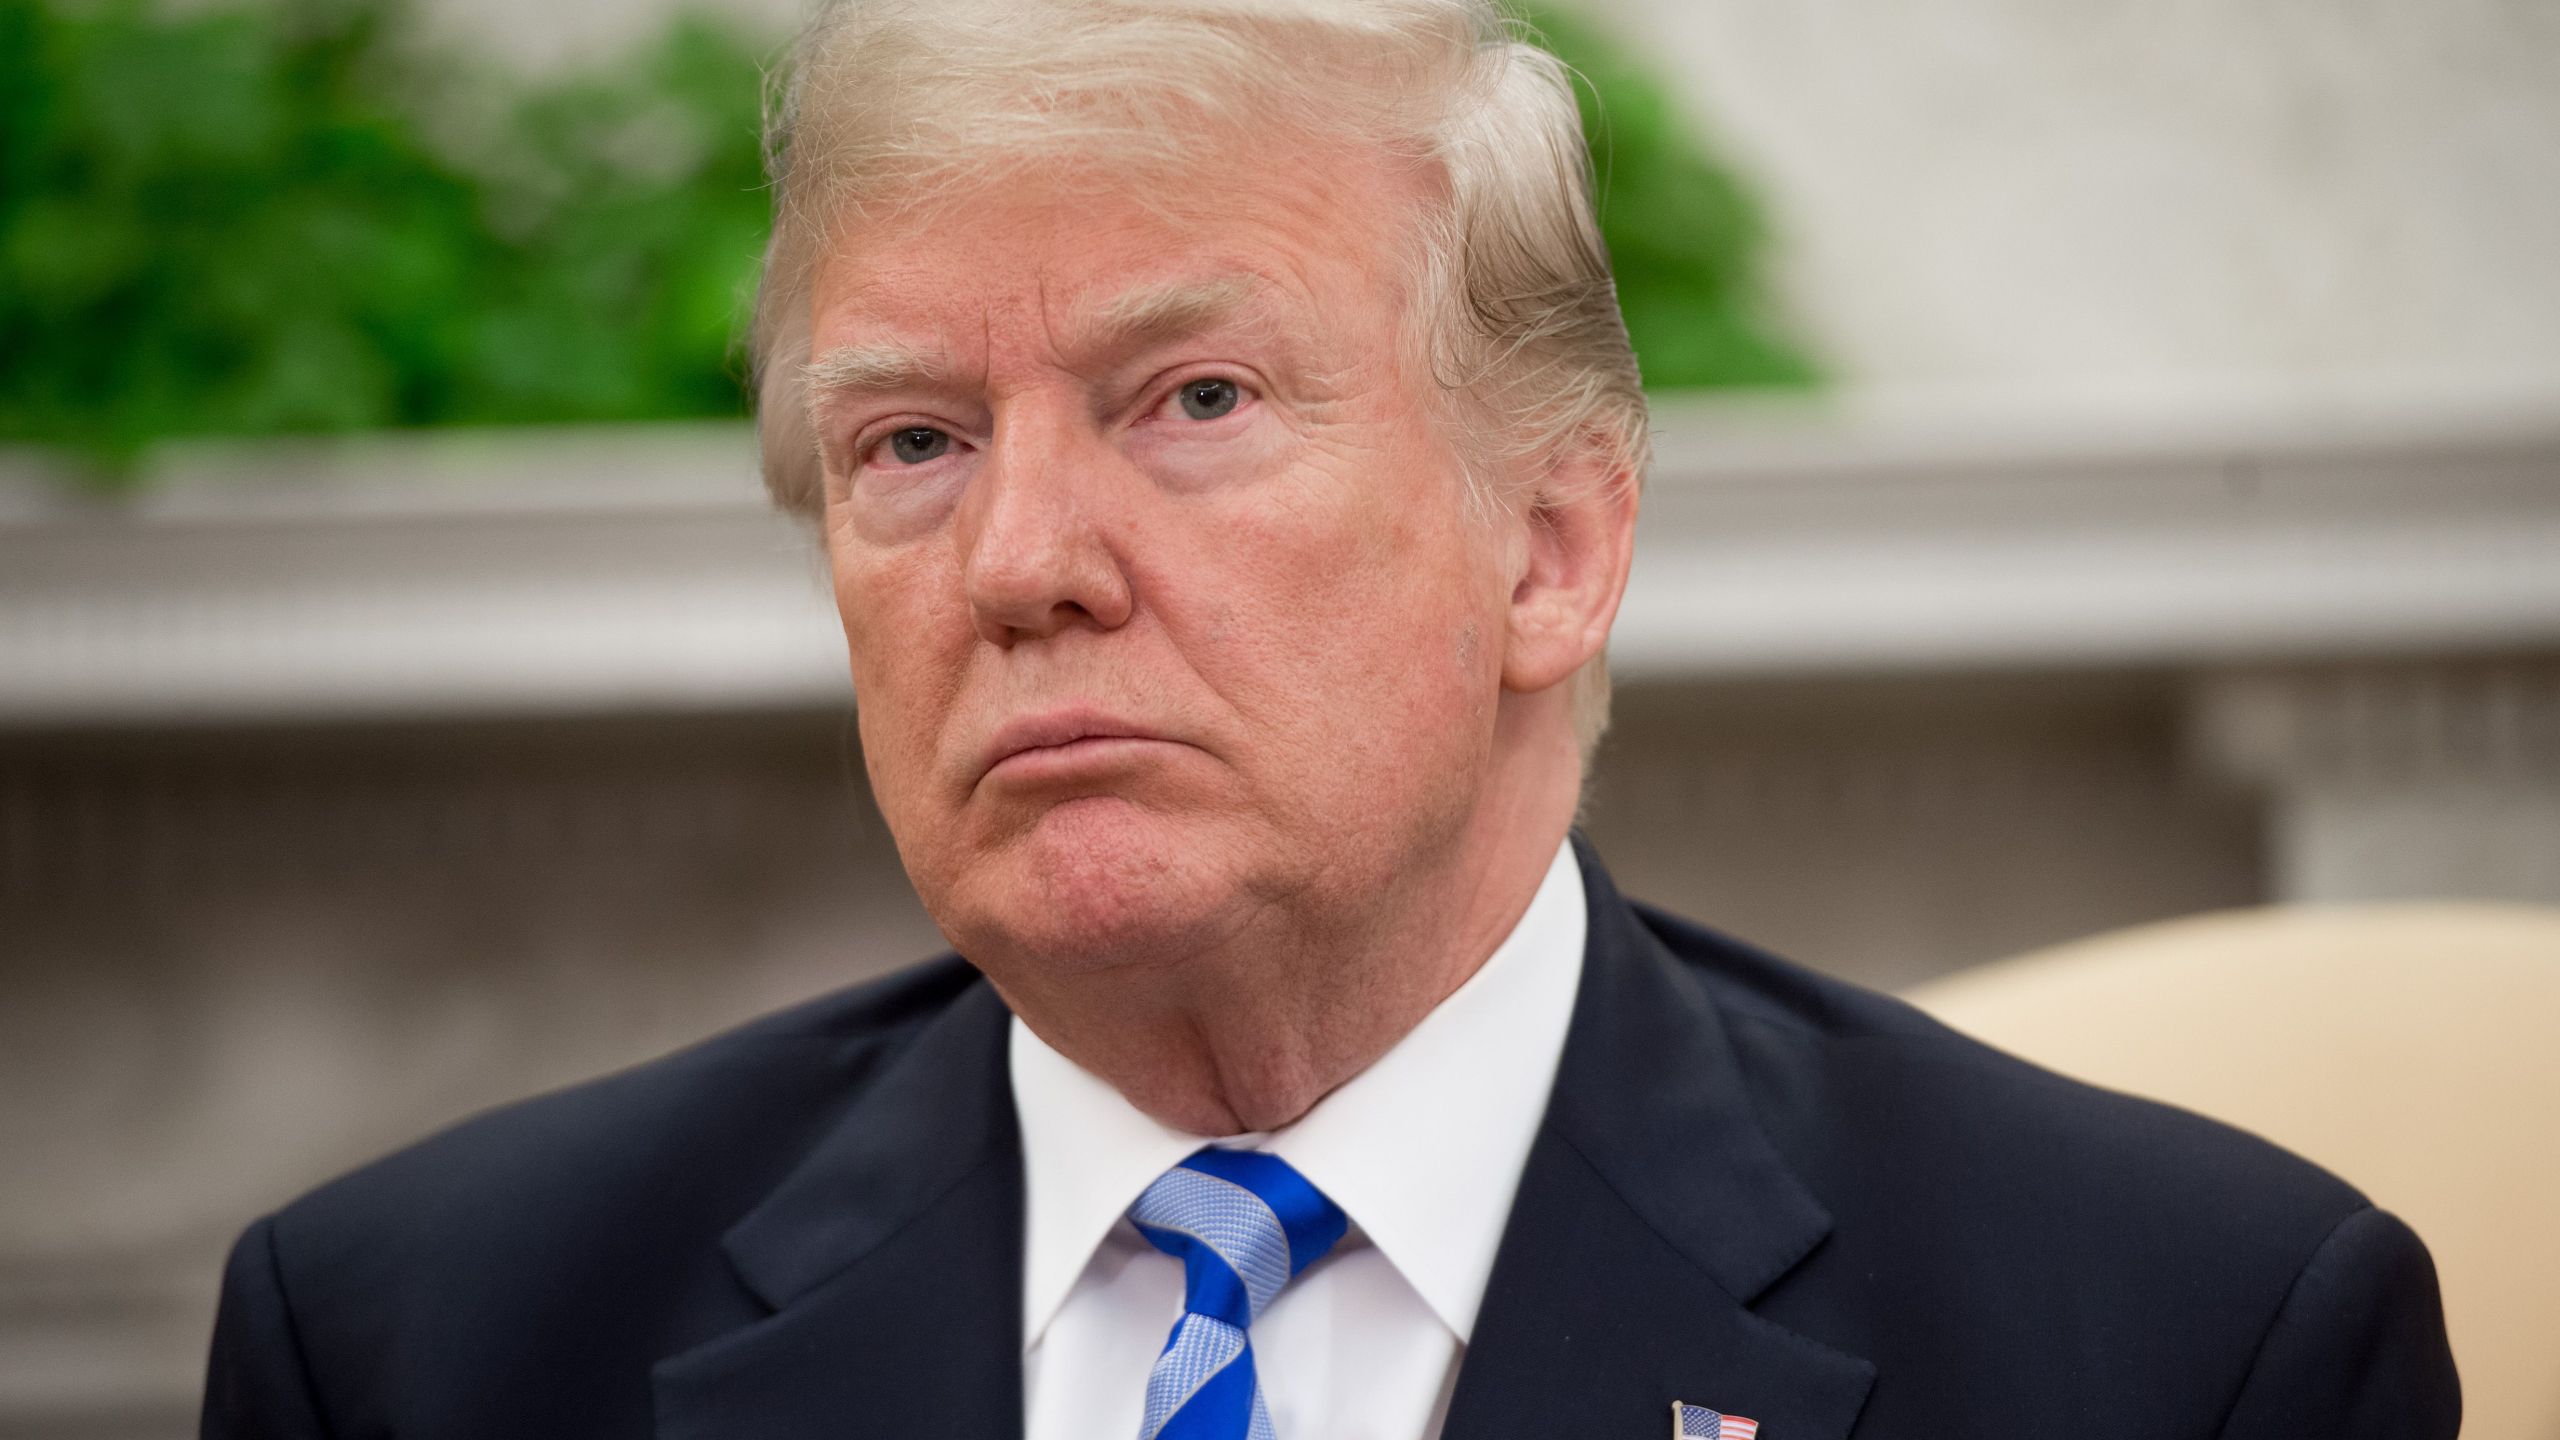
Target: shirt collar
(1423, 1149)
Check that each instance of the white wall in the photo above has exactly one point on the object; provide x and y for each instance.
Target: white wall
(2170, 197)
(558, 33)
(2173, 195)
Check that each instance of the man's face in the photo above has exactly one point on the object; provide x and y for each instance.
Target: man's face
(1166, 612)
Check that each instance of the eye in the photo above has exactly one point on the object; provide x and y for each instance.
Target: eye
(1209, 399)
(917, 444)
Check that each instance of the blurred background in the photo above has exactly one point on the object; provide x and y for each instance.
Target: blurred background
(2109, 471)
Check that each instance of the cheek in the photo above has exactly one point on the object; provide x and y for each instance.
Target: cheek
(889, 506)
(906, 638)
(888, 593)
(1373, 635)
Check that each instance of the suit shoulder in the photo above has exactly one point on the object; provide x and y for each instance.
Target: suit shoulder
(1987, 1218)
(705, 1117)
(1866, 1092)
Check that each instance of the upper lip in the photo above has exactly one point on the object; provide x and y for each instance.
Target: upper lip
(1057, 727)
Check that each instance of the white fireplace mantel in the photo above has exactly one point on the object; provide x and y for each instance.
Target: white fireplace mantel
(637, 568)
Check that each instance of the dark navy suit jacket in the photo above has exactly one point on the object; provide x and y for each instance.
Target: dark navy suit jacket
(1755, 1189)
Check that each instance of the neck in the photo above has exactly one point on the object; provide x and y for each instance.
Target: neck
(1251, 1033)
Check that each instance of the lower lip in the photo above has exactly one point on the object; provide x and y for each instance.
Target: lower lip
(1075, 760)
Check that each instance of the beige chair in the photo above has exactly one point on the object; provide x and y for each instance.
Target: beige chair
(2413, 1049)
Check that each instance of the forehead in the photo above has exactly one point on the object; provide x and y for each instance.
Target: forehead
(1085, 251)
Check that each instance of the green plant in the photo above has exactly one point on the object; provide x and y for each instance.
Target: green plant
(1685, 238)
(278, 216)
(240, 220)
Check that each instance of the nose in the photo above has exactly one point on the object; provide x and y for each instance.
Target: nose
(1038, 525)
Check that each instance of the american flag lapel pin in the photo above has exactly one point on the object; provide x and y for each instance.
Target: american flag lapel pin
(1689, 1422)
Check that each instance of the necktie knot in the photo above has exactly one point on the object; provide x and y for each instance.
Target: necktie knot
(1243, 1224)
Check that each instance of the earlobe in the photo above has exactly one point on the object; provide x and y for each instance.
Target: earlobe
(1580, 540)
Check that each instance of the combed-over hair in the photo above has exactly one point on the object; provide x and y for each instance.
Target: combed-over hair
(885, 104)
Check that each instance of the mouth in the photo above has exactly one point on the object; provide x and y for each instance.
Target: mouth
(1064, 745)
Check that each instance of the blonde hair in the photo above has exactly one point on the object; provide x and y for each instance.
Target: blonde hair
(885, 104)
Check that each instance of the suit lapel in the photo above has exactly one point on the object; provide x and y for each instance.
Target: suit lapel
(892, 1260)
(1652, 1213)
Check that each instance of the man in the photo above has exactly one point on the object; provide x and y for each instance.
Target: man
(1226, 450)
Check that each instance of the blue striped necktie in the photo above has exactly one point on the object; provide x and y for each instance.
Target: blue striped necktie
(1242, 1223)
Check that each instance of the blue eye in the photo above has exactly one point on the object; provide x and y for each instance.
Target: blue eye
(1209, 399)
(918, 443)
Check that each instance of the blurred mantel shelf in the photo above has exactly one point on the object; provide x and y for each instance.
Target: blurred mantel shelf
(638, 568)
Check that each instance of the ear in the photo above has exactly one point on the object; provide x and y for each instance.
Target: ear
(1581, 532)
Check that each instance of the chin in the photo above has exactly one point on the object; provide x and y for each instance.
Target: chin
(1094, 884)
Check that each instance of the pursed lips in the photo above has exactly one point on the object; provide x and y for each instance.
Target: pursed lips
(1057, 743)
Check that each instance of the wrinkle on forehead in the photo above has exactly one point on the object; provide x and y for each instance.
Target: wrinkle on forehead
(1031, 266)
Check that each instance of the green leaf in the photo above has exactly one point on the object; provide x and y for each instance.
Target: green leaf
(266, 216)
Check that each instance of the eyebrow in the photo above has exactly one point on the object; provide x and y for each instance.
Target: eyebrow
(1129, 319)
(872, 368)
(1157, 312)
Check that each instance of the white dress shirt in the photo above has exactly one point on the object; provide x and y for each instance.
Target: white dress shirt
(1423, 1150)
